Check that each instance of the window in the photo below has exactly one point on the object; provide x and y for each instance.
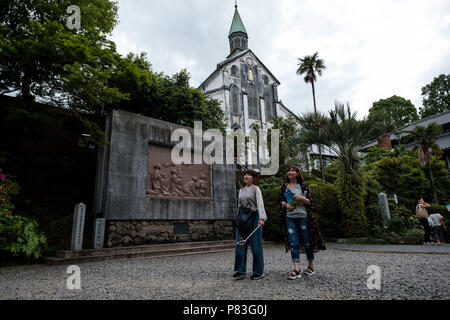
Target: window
(234, 100)
(250, 75)
(266, 80)
(252, 102)
(268, 108)
(234, 71)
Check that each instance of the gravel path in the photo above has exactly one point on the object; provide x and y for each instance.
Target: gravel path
(340, 274)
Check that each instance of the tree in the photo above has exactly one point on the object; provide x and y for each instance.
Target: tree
(310, 66)
(436, 96)
(425, 138)
(289, 146)
(391, 114)
(41, 57)
(345, 135)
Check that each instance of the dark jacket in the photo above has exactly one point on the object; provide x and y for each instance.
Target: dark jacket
(315, 237)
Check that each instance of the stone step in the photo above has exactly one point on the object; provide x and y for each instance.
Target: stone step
(137, 249)
(139, 254)
(164, 250)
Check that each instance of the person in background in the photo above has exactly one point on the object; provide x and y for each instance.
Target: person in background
(422, 205)
(437, 222)
(251, 196)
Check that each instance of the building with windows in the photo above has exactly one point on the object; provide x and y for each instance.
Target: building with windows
(443, 141)
(246, 89)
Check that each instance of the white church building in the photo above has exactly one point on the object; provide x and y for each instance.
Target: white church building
(245, 87)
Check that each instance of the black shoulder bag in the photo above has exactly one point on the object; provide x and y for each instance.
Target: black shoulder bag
(244, 220)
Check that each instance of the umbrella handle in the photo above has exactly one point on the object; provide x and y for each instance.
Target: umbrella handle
(252, 233)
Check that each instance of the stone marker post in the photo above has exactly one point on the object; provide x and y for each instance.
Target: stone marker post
(385, 213)
(99, 236)
(78, 226)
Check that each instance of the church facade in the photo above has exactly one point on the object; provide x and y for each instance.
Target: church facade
(248, 91)
(244, 86)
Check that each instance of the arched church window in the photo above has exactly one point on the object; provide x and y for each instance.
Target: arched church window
(266, 80)
(252, 102)
(234, 71)
(268, 108)
(250, 75)
(234, 100)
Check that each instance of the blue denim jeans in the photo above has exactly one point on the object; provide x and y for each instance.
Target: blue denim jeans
(255, 242)
(296, 228)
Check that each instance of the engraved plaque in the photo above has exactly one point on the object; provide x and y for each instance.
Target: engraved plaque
(167, 180)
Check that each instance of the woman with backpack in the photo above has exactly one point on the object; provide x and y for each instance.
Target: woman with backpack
(302, 234)
(251, 214)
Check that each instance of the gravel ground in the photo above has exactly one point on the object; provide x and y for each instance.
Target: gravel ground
(340, 274)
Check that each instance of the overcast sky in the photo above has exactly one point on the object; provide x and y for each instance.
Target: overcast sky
(373, 49)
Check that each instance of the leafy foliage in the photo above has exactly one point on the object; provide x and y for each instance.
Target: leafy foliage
(391, 114)
(289, 146)
(436, 96)
(310, 66)
(344, 134)
(41, 59)
(18, 235)
(425, 138)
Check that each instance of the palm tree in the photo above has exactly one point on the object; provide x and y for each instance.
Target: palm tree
(345, 135)
(310, 66)
(425, 138)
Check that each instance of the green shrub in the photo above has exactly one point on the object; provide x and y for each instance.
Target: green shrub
(402, 219)
(59, 233)
(350, 194)
(373, 208)
(274, 226)
(327, 213)
(8, 189)
(20, 236)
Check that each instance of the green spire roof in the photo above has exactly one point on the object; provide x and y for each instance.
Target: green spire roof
(237, 25)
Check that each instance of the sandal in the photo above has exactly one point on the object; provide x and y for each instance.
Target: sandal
(294, 275)
(309, 271)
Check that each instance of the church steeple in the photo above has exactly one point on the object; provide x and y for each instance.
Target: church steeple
(238, 35)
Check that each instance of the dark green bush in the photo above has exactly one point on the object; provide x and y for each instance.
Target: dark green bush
(19, 236)
(59, 233)
(274, 226)
(327, 213)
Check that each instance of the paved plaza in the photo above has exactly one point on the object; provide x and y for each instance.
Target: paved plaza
(407, 272)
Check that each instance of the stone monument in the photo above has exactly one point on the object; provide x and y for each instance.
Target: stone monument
(385, 213)
(145, 198)
(78, 227)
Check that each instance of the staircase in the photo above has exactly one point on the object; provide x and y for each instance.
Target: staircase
(146, 251)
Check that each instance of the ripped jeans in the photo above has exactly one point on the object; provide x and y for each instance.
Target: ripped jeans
(296, 228)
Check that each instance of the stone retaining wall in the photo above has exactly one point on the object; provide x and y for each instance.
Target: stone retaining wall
(140, 232)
